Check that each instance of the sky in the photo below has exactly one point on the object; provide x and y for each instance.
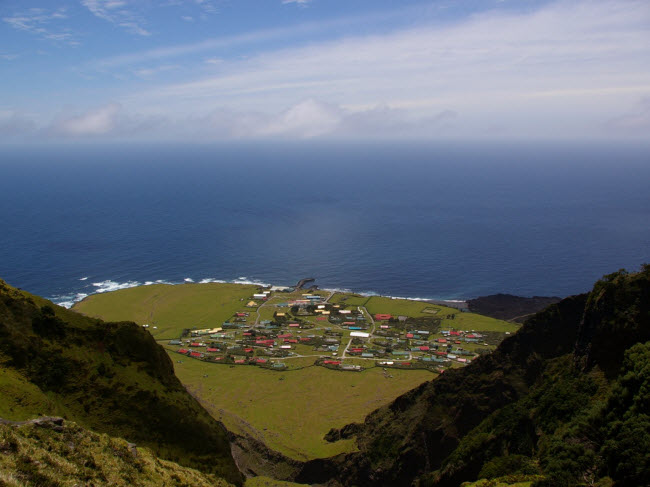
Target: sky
(212, 70)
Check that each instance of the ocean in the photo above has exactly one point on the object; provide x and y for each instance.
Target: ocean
(447, 220)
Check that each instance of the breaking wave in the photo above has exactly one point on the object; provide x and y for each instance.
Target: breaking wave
(69, 300)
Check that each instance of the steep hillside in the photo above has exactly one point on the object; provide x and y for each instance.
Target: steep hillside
(552, 400)
(108, 377)
(54, 452)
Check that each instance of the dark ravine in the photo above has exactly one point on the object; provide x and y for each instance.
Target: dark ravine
(561, 366)
(254, 458)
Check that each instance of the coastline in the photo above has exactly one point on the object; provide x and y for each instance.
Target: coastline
(69, 300)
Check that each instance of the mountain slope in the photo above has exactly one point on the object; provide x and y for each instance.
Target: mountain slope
(51, 451)
(108, 377)
(545, 400)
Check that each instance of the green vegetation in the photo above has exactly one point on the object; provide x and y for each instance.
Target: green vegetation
(109, 377)
(170, 308)
(20, 398)
(67, 455)
(252, 400)
(292, 411)
(564, 402)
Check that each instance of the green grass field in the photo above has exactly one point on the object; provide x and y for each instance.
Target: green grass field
(170, 308)
(291, 411)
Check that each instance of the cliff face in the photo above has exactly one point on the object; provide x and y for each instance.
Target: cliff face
(108, 377)
(560, 367)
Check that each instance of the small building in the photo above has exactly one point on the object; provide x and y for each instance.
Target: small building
(360, 334)
(381, 316)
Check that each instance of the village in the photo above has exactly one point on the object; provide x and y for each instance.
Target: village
(277, 325)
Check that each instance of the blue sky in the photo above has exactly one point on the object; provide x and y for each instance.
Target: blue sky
(185, 70)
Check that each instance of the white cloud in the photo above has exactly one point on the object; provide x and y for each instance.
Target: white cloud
(13, 123)
(39, 21)
(634, 122)
(99, 121)
(150, 72)
(558, 71)
(309, 118)
(567, 69)
(117, 12)
(297, 2)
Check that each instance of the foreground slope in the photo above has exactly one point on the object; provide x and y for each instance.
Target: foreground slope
(54, 452)
(108, 377)
(564, 401)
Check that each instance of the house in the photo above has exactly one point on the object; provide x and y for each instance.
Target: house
(196, 354)
(251, 304)
(442, 340)
(331, 362)
(280, 315)
(211, 349)
(424, 349)
(384, 327)
(259, 296)
(182, 351)
(294, 325)
(345, 311)
(409, 335)
(360, 334)
(174, 342)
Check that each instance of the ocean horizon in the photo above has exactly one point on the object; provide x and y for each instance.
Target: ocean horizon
(446, 221)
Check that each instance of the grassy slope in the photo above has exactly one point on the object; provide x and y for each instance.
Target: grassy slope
(42, 456)
(248, 399)
(292, 415)
(21, 399)
(170, 308)
(395, 307)
(109, 377)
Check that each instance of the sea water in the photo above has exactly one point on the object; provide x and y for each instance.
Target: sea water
(437, 220)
